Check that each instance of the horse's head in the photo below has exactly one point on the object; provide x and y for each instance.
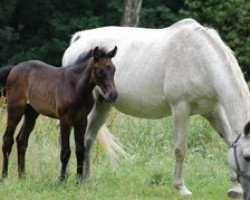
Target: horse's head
(103, 73)
(239, 160)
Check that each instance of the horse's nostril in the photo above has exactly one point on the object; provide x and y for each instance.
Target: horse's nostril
(247, 158)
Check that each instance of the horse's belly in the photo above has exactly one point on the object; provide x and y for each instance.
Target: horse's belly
(141, 106)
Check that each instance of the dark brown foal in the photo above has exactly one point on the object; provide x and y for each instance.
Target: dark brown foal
(34, 88)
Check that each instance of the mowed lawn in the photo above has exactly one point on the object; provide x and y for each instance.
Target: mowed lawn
(147, 175)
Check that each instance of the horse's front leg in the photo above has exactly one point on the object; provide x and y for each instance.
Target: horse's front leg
(65, 148)
(219, 121)
(96, 119)
(79, 129)
(180, 112)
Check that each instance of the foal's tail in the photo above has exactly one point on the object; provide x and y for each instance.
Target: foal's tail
(4, 73)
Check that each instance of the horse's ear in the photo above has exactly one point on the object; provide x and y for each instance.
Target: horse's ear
(112, 53)
(97, 54)
(247, 129)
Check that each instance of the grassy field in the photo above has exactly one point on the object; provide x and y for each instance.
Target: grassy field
(147, 176)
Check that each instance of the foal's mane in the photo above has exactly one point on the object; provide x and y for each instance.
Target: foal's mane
(81, 61)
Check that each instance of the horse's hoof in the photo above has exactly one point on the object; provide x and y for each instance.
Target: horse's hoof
(183, 190)
(234, 194)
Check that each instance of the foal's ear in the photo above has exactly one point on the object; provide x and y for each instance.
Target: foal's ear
(97, 54)
(247, 129)
(112, 53)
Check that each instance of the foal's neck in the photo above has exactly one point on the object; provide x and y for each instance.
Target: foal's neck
(85, 84)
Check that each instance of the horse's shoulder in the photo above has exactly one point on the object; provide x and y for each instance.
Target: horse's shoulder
(185, 22)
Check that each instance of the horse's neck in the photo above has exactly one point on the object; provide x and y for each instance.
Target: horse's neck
(237, 109)
(235, 98)
(228, 81)
(85, 83)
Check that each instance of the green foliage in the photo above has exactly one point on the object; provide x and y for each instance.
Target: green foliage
(41, 29)
(159, 17)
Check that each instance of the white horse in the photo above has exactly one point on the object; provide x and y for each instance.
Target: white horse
(239, 160)
(182, 70)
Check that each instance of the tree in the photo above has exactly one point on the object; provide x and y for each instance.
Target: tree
(131, 12)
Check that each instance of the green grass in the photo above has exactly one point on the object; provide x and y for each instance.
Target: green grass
(147, 176)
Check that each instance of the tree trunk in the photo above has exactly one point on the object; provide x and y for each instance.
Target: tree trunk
(131, 12)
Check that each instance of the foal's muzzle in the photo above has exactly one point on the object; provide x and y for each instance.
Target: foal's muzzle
(111, 96)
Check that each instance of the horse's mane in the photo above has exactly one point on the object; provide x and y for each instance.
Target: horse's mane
(233, 65)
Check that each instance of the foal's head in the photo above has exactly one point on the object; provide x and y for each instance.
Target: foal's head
(239, 160)
(103, 73)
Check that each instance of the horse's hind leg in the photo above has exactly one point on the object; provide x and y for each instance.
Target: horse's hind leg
(219, 121)
(30, 117)
(14, 117)
(180, 112)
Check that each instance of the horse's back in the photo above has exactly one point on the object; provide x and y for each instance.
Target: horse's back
(126, 38)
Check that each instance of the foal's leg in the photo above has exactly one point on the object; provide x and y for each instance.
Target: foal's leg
(65, 148)
(219, 121)
(79, 142)
(14, 117)
(30, 117)
(180, 112)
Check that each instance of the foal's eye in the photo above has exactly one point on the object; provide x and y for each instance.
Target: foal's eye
(99, 72)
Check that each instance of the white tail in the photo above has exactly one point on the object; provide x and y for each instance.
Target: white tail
(113, 148)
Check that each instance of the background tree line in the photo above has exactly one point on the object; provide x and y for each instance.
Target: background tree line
(41, 29)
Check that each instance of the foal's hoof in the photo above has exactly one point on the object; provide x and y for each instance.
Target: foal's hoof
(63, 178)
(4, 176)
(22, 176)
